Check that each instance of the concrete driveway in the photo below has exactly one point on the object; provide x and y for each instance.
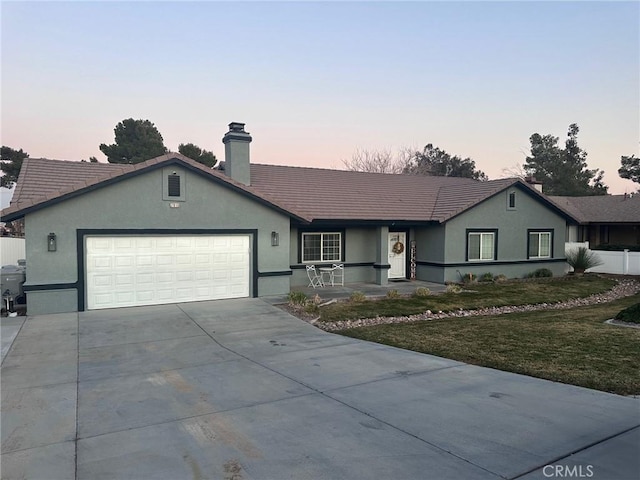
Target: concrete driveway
(239, 389)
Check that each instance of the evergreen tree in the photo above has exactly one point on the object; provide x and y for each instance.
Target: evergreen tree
(563, 171)
(135, 142)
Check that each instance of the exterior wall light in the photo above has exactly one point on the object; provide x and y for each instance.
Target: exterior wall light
(275, 239)
(51, 242)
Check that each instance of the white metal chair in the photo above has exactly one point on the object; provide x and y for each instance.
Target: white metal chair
(337, 274)
(315, 280)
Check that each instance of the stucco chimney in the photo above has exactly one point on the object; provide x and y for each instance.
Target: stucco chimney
(236, 153)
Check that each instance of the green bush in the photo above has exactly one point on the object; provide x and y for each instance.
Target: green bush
(630, 314)
(486, 277)
(357, 297)
(540, 273)
(582, 259)
(393, 293)
(297, 298)
(468, 278)
(422, 292)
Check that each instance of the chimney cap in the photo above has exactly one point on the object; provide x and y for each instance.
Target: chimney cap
(236, 132)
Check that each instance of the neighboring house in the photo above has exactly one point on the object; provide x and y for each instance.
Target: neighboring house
(603, 220)
(172, 230)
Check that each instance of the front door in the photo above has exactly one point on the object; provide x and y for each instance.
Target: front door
(398, 255)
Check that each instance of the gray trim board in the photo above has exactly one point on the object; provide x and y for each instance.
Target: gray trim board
(489, 262)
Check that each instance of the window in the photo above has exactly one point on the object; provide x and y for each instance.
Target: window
(321, 247)
(540, 244)
(511, 201)
(481, 246)
(173, 185)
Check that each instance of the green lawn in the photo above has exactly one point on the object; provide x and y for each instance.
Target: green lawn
(568, 346)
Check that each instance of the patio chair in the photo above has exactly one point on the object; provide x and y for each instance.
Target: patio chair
(315, 280)
(337, 274)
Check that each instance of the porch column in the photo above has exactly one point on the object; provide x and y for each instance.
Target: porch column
(382, 256)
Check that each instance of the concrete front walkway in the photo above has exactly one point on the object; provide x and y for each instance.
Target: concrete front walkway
(239, 389)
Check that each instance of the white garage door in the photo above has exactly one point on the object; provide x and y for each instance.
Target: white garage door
(125, 271)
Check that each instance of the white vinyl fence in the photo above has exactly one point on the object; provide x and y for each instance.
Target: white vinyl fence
(11, 250)
(622, 263)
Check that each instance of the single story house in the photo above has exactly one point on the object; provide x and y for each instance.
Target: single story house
(172, 230)
(603, 220)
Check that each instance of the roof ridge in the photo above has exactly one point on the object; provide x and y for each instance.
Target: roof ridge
(327, 169)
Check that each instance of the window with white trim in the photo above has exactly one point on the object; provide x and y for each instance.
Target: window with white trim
(321, 247)
(481, 246)
(540, 244)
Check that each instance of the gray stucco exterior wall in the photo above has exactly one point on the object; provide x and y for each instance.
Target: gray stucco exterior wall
(139, 203)
(359, 254)
(512, 226)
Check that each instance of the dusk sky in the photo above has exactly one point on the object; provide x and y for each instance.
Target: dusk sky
(314, 82)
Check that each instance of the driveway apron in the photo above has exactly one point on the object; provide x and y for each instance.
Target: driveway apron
(239, 389)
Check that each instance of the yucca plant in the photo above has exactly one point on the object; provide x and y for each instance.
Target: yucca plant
(582, 259)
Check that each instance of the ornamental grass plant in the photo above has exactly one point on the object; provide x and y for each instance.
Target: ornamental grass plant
(582, 259)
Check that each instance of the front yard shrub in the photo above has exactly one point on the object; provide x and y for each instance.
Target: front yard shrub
(500, 278)
(468, 278)
(486, 277)
(630, 314)
(357, 297)
(393, 293)
(297, 298)
(582, 259)
(541, 273)
(453, 288)
(422, 292)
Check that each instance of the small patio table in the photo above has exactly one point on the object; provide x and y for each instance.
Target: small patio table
(328, 271)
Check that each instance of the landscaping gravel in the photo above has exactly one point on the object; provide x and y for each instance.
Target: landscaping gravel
(624, 288)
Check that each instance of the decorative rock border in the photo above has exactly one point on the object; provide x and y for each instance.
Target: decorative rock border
(624, 288)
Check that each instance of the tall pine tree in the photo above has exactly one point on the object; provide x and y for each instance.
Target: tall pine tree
(563, 171)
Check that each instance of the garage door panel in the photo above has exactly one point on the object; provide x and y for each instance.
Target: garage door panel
(101, 261)
(148, 270)
(122, 243)
(124, 261)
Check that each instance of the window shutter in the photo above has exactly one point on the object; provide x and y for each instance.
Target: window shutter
(173, 186)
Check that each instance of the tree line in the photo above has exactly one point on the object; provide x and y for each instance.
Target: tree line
(135, 142)
(562, 170)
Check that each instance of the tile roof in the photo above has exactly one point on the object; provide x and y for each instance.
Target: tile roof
(346, 195)
(42, 181)
(602, 208)
(305, 193)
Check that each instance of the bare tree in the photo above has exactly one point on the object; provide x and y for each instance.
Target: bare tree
(514, 171)
(380, 161)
